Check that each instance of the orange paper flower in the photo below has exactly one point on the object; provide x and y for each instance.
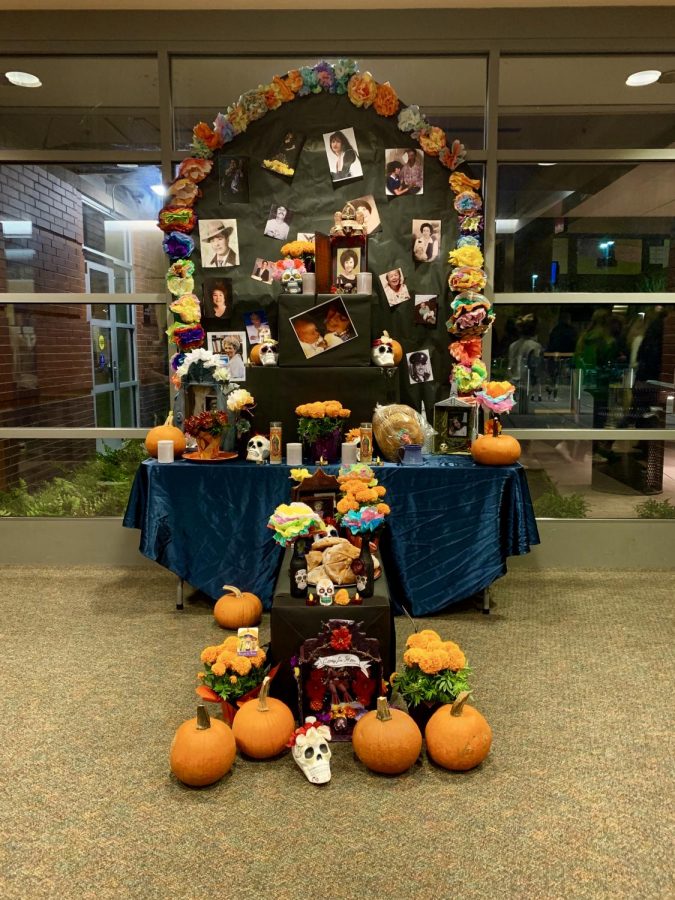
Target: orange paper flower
(459, 182)
(207, 136)
(294, 81)
(362, 89)
(432, 140)
(386, 100)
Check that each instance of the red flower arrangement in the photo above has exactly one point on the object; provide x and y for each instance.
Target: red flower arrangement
(341, 638)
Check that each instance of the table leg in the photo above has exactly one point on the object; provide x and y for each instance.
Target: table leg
(486, 601)
(179, 594)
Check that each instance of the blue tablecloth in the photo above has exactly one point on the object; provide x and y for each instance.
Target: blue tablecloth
(452, 526)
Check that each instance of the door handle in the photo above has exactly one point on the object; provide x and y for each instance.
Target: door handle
(115, 375)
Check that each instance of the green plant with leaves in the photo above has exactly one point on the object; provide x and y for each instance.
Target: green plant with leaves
(434, 670)
(552, 505)
(655, 509)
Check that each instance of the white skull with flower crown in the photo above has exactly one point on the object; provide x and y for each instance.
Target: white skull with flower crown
(311, 751)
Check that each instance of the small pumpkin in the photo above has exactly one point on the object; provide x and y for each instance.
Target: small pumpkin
(202, 750)
(499, 450)
(254, 355)
(457, 735)
(387, 740)
(237, 609)
(165, 432)
(263, 726)
(397, 350)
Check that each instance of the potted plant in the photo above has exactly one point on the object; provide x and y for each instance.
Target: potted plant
(434, 672)
(207, 429)
(229, 677)
(320, 428)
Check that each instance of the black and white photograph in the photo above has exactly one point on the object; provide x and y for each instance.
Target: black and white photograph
(262, 270)
(426, 239)
(283, 160)
(320, 328)
(233, 179)
(394, 287)
(218, 243)
(217, 299)
(230, 344)
(347, 267)
(278, 222)
(342, 154)
(256, 322)
(366, 208)
(419, 366)
(404, 172)
(426, 309)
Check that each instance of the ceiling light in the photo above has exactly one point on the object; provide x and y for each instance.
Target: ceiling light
(17, 228)
(158, 189)
(640, 79)
(23, 79)
(546, 164)
(506, 226)
(127, 165)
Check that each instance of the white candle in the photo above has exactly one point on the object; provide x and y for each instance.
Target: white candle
(294, 454)
(348, 454)
(309, 283)
(364, 283)
(165, 451)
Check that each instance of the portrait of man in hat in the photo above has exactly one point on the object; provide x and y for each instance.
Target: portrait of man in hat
(218, 243)
(419, 366)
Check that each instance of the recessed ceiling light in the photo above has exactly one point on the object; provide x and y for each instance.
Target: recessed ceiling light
(546, 164)
(23, 79)
(127, 165)
(158, 189)
(640, 79)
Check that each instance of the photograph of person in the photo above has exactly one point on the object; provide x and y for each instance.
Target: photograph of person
(262, 270)
(412, 171)
(458, 423)
(419, 366)
(426, 309)
(233, 346)
(233, 179)
(284, 160)
(322, 327)
(342, 155)
(278, 223)
(348, 265)
(217, 298)
(255, 322)
(366, 207)
(394, 286)
(218, 243)
(426, 241)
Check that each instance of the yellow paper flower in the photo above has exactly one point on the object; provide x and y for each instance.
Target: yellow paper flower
(238, 118)
(466, 256)
(299, 474)
(432, 140)
(362, 89)
(459, 182)
(386, 100)
(237, 400)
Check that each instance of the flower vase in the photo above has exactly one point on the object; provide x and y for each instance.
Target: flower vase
(208, 444)
(297, 574)
(422, 712)
(328, 446)
(364, 569)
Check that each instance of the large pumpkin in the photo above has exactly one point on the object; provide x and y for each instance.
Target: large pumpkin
(263, 726)
(387, 740)
(165, 432)
(501, 450)
(254, 355)
(237, 609)
(458, 737)
(202, 751)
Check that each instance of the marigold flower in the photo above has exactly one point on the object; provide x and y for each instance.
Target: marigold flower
(386, 100)
(344, 505)
(209, 654)
(413, 656)
(455, 654)
(230, 643)
(233, 679)
(383, 509)
(380, 490)
(241, 665)
(431, 663)
(362, 89)
(423, 638)
(218, 668)
(354, 434)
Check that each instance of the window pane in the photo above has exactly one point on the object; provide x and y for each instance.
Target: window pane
(571, 102)
(449, 90)
(85, 103)
(592, 479)
(580, 366)
(61, 224)
(584, 227)
(66, 478)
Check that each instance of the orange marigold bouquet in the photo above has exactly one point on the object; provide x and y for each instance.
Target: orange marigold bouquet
(434, 670)
(320, 418)
(228, 674)
(361, 508)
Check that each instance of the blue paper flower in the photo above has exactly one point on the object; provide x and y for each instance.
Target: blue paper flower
(223, 128)
(310, 81)
(177, 245)
(344, 69)
(326, 76)
(468, 240)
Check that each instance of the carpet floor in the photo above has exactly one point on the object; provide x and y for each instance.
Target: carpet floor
(574, 671)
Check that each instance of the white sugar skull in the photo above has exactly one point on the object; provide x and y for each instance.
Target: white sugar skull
(258, 449)
(269, 356)
(361, 582)
(382, 353)
(311, 751)
(331, 531)
(325, 589)
(301, 578)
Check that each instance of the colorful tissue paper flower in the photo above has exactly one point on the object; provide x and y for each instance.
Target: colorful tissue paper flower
(362, 89)
(410, 118)
(282, 89)
(187, 308)
(470, 224)
(471, 314)
(364, 520)
(177, 218)
(466, 350)
(310, 81)
(452, 156)
(237, 400)
(237, 118)
(179, 286)
(183, 191)
(432, 139)
(467, 278)
(469, 378)
(176, 360)
(496, 396)
(326, 76)
(293, 80)
(344, 69)
(205, 135)
(195, 169)
(300, 474)
(223, 128)
(460, 182)
(468, 240)
(177, 245)
(253, 104)
(466, 256)
(357, 472)
(386, 100)
(188, 336)
(468, 202)
(292, 520)
(272, 95)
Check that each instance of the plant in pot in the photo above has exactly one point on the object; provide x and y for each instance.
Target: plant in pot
(434, 672)
(229, 677)
(207, 428)
(320, 427)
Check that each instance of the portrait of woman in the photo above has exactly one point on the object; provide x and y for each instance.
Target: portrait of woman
(233, 346)
(342, 155)
(278, 223)
(217, 300)
(394, 286)
(425, 240)
(348, 267)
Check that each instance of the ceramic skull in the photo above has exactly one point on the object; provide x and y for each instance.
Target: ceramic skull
(269, 355)
(258, 449)
(325, 589)
(382, 353)
(311, 751)
(301, 579)
(361, 582)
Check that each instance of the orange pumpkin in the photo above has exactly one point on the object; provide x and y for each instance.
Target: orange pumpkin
(458, 737)
(254, 355)
(165, 432)
(495, 451)
(202, 751)
(387, 740)
(237, 609)
(263, 726)
(397, 350)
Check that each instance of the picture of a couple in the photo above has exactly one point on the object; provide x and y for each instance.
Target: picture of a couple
(323, 327)
(404, 172)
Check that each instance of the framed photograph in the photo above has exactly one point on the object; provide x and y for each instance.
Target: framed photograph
(233, 179)
(262, 270)
(255, 322)
(368, 209)
(322, 504)
(230, 345)
(404, 172)
(455, 425)
(394, 287)
(348, 258)
(283, 161)
(426, 310)
(426, 239)
(419, 366)
(278, 222)
(322, 327)
(342, 155)
(217, 299)
(218, 243)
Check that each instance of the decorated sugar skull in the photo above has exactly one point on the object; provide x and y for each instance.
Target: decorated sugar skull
(269, 355)
(361, 582)
(382, 352)
(301, 579)
(325, 589)
(311, 751)
(258, 449)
